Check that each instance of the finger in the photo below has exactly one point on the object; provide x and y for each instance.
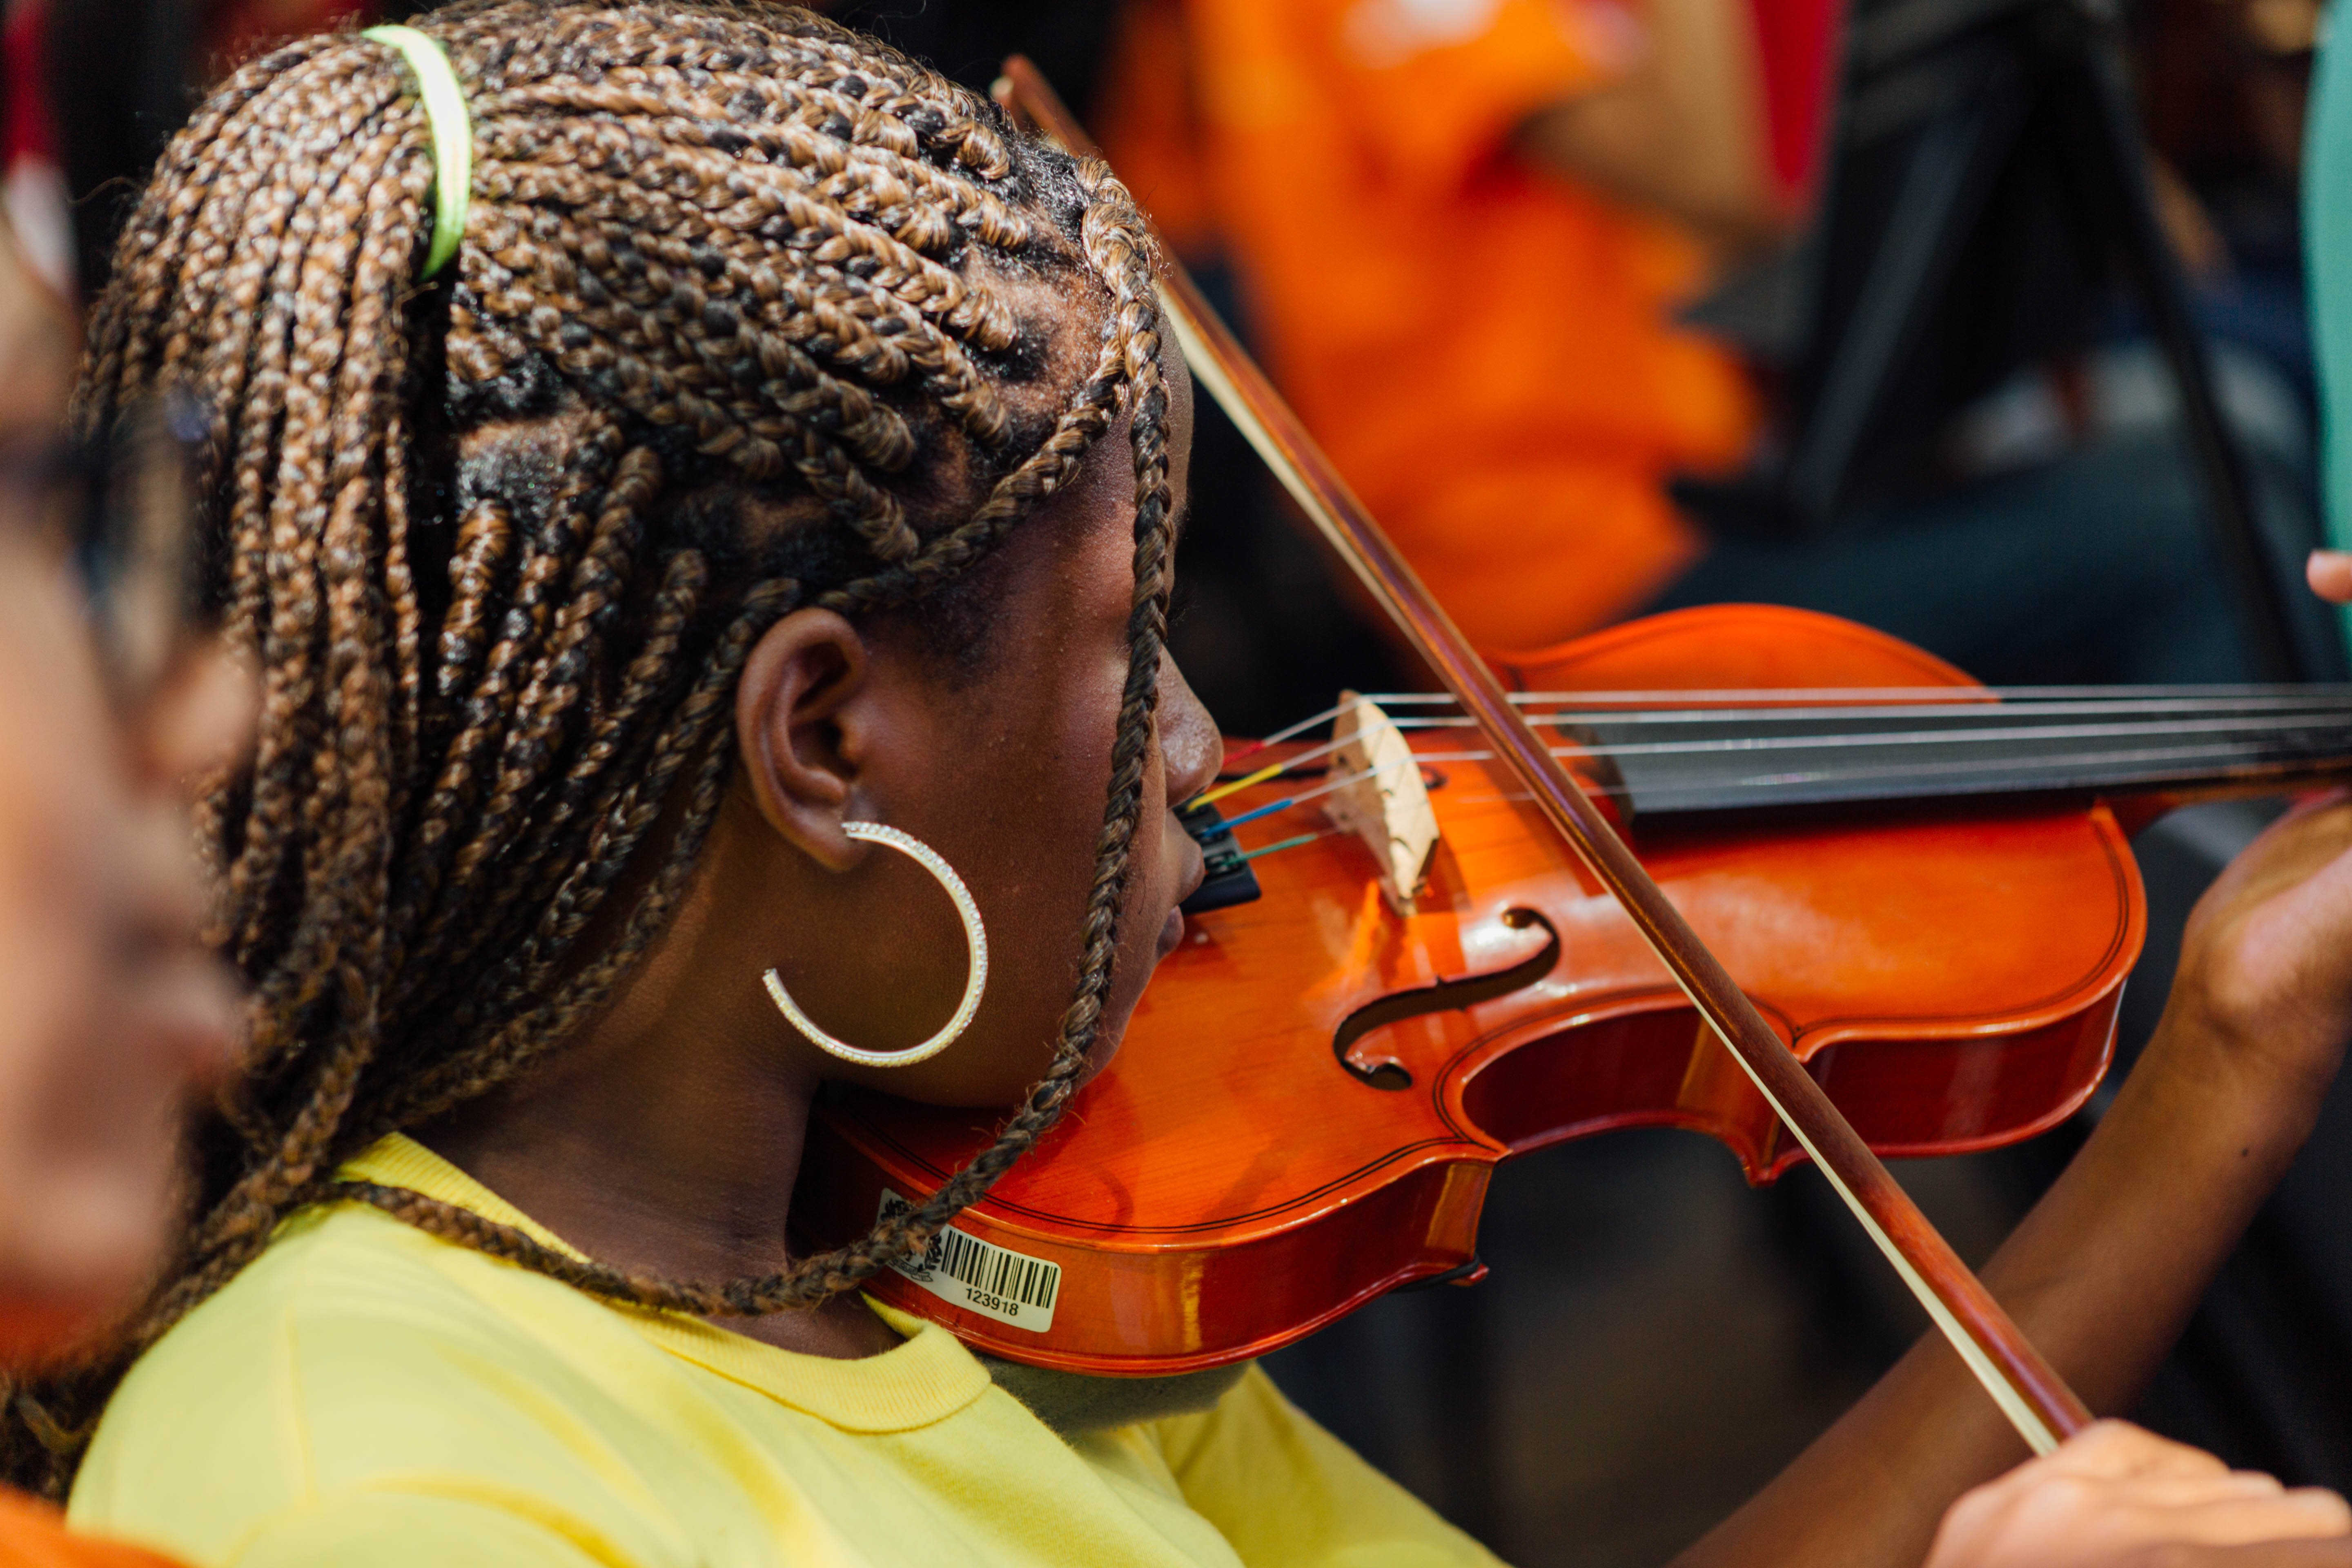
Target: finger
(2178, 1489)
(2305, 1514)
(2329, 572)
(2118, 1448)
(2336, 1554)
(2341, 1510)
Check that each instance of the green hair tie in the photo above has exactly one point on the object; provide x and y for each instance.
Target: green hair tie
(453, 137)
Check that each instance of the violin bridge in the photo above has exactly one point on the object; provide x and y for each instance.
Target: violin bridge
(1385, 803)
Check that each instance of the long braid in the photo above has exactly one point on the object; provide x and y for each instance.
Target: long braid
(1116, 254)
(487, 539)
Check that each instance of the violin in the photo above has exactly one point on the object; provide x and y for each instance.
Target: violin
(1756, 872)
(1929, 894)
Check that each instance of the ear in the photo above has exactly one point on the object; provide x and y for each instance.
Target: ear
(797, 733)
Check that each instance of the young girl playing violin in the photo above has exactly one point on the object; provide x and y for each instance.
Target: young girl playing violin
(760, 446)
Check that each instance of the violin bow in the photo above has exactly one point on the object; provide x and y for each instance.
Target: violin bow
(2027, 1388)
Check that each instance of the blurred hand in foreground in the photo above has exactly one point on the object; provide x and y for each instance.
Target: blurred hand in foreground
(2117, 1496)
(2329, 572)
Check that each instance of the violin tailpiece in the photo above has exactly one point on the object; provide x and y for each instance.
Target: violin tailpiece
(1385, 804)
(1227, 878)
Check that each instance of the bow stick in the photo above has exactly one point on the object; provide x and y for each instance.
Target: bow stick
(2027, 1388)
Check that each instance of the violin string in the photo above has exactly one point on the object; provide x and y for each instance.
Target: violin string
(1868, 695)
(1317, 792)
(1247, 817)
(1301, 841)
(1300, 728)
(1271, 771)
(1940, 770)
(1962, 713)
(1923, 738)
(2291, 700)
(2143, 755)
(2314, 710)
(1211, 796)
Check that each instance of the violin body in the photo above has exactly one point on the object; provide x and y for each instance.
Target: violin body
(1315, 1088)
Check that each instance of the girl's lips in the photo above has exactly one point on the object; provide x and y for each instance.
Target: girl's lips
(1171, 931)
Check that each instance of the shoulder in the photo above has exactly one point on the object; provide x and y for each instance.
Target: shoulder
(1252, 1413)
(1282, 1490)
(356, 1354)
(343, 1294)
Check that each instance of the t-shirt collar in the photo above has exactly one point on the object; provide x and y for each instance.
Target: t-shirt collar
(928, 1378)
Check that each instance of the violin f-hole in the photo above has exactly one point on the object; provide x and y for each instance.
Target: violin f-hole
(1443, 997)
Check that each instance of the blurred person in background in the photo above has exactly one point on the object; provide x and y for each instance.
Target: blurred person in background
(69, 159)
(1527, 193)
(1463, 231)
(117, 1013)
(1461, 228)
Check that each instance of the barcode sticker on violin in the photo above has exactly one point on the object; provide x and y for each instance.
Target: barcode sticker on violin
(980, 1276)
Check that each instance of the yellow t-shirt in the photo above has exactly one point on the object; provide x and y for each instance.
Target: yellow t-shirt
(367, 1394)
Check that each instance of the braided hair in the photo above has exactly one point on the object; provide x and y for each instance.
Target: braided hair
(491, 543)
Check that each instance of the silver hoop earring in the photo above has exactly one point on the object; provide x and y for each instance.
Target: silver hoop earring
(975, 936)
